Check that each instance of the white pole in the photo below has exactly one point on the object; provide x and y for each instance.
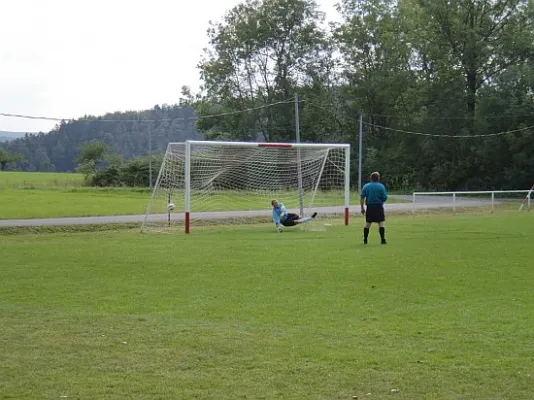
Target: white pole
(360, 152)
(527, 197)
(187, 184)
(299, 166)
(347, 184)
(413, 203)
(492, 201)
(167, 152)
(454, 202)
(149, 155)
(325, 159)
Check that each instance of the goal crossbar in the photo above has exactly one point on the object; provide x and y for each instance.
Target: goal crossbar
(266, 145)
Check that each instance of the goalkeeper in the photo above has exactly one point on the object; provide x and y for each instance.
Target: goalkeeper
(282, 217)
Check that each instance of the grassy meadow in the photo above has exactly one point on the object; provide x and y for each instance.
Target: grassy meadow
(444, 311)
(73, 202)
(48, 195)
(39, 180)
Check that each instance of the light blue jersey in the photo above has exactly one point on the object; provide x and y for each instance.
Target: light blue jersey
(374, 193)
(279, 213)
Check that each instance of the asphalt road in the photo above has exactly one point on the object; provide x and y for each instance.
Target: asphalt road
(422, 202)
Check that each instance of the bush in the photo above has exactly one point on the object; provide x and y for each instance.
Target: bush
(108, 177)
(135, 173)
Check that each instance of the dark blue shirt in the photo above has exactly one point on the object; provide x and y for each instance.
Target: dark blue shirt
(374, 193)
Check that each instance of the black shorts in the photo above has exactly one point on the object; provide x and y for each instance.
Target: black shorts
(375, 213)
(290, 220)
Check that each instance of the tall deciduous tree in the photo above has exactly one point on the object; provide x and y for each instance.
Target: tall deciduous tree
(479, 39)
(258, 55)
(7, 157)
(376, 57)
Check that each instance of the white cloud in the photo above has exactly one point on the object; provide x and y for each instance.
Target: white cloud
(67, 58)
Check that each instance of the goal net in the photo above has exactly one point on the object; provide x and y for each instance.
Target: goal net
(204, 183)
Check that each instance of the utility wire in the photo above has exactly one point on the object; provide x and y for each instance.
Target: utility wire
(147, 120)
(421, 133)
(429, 117)
(289, 101)
(31, 117)
(459, 118)
(449, 136)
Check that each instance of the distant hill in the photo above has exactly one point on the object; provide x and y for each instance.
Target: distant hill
(126, 133)
(6, 136)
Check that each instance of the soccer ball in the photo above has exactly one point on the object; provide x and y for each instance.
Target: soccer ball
(170, 207)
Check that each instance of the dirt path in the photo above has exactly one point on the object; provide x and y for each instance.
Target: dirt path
(423, 202)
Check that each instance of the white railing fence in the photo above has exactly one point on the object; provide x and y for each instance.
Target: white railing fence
(462, 199)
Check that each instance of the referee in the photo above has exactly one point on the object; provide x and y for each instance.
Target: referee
(374, 195)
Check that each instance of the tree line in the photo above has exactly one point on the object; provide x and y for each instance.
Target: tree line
(437, 82)
(125, 135)
(445, 89)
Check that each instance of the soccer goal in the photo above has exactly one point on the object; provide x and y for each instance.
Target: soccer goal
(213, 182)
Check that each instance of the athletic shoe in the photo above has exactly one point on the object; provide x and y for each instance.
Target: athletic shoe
(314, 215)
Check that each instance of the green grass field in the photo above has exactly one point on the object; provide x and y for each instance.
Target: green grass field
(48, 195)
(444, 311)
(39, 180)
(73, 202)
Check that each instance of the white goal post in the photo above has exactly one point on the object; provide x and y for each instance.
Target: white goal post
(219, 182)
(527, 199)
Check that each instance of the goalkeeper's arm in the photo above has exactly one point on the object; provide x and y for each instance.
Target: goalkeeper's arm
(276, 220)
(283, 214)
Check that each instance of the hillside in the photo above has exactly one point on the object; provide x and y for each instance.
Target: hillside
(126, 133)
(6, 136)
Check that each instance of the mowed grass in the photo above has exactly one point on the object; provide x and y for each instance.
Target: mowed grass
(48, 195)
(444, 311)
(39, 180)
(53, 195)
(73, 202)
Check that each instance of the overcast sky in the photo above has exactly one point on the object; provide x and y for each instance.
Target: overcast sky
(67, 58)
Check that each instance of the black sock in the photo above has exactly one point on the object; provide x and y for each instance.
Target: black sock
(365, 233)
(382, 231)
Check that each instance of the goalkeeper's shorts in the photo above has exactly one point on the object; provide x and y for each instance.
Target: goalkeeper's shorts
(290, 219)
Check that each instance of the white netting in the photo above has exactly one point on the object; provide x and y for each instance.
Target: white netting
(235, 183)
